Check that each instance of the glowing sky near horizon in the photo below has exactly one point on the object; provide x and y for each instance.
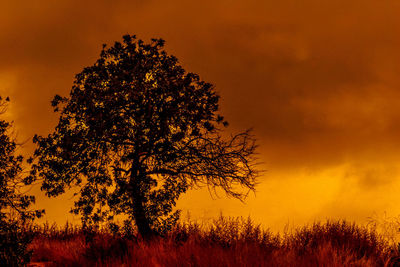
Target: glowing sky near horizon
(317, 80)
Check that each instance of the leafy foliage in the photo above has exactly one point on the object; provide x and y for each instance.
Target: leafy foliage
(13, 205)
(135, 133)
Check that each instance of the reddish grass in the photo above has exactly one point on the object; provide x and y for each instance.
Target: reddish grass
(226, 242)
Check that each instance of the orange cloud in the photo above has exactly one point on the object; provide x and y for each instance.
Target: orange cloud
(318, 80)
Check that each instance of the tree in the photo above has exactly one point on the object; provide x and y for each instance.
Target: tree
(135, 133)
(13, 204)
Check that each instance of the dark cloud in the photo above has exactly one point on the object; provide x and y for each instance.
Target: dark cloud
(318, 80)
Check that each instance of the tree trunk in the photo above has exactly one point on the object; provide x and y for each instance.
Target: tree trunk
(139, 212)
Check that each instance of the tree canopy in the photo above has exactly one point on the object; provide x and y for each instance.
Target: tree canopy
(14, 205)
(135, 133)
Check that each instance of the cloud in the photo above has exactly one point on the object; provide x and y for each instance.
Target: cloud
(317, 80)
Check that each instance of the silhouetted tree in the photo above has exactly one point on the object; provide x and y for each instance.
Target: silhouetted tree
(135, 133)
(13, 204)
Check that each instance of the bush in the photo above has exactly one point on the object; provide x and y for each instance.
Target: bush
(14, 240)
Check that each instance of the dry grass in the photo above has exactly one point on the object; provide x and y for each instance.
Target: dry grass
(225, 242)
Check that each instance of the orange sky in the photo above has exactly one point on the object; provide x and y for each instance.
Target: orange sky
(317, 80)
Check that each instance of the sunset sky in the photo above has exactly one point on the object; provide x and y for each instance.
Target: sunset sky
(317, 80)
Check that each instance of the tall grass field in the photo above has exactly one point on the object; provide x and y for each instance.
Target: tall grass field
(224, 242)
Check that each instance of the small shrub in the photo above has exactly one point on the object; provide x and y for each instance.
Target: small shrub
(14, 241)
